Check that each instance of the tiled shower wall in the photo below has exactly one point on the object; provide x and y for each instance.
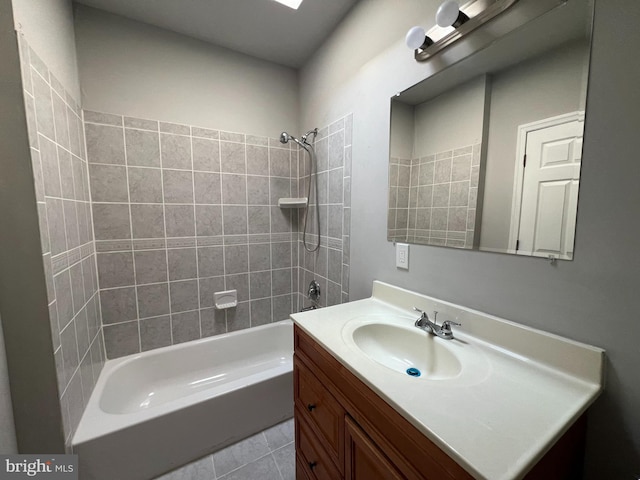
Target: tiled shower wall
(399, 184)
(330, 264)
(181, 212)
(436, 198)
(62, 193)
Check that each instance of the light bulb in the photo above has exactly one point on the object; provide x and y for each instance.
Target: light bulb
(415, 37)
(447, 13)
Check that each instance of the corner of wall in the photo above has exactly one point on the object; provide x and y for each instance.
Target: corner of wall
(23, 296)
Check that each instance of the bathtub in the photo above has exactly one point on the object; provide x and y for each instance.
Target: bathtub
(152, 412)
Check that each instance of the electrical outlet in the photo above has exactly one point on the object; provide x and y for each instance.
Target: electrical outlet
(402, 255)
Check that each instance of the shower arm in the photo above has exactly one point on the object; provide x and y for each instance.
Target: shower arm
(304, 137)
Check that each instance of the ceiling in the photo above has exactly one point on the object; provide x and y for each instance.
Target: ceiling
(260, 28)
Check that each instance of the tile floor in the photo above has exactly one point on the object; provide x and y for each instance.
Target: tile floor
(268, 455)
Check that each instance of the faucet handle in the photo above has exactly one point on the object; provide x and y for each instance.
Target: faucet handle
(421, 312)
(446, 325)
(423, 321)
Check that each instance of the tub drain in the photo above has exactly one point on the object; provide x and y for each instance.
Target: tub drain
(413, 372)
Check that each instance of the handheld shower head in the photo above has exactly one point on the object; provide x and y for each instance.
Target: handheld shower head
(303, 143)
(285, 137)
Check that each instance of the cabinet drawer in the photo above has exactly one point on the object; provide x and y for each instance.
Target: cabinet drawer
(312, 457)
(320, 409)
(301, 472)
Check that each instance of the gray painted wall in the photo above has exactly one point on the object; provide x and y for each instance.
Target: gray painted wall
(49, 28)
(451, 120)
(133, 69)
(593, 298)
(7, 430)
(402, 130)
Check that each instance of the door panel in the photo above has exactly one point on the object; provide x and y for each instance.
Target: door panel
(364, 460)
(550, 191)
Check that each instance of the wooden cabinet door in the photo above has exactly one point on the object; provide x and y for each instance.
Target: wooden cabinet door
(363, 459)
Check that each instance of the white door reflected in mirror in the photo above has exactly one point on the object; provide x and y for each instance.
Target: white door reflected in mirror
(548, 180)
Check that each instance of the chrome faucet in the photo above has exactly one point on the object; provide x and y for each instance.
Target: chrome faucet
(443, 331)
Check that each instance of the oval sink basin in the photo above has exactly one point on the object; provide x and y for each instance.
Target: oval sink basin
(405, 349)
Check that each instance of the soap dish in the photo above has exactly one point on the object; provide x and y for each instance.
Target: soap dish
(226, 299)
(292, 202)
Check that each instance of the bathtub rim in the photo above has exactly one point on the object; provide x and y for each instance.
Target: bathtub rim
(95, 422)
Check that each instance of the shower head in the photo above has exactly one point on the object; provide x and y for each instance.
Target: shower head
(285, 137)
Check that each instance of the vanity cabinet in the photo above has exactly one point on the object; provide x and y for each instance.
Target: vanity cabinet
(344, 430)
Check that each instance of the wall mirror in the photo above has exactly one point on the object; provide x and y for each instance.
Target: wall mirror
(485, 155)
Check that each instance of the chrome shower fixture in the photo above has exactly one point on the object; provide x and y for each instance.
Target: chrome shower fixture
(306, 135)
(285, 138)
(308, 146)
(313, 292)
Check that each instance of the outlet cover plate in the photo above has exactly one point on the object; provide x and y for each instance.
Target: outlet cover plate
(402, 255)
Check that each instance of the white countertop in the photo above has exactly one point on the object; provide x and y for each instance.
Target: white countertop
(519, 389)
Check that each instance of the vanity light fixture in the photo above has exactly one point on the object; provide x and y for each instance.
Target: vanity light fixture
(463, 19)
(290, 3)
(450, 15)
(417, 39)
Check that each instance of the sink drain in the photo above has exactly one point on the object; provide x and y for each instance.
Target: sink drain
(413, 372)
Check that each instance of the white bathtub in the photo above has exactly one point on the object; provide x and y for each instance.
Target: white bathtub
(154, 411)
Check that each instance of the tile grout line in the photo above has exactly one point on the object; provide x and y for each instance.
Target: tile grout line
(270, 232)
(164, 226)
(244, 464)
(276, 464)
(213, 465)
(133, 258)
(224, 312)
(246, 198)
(195, 231)
(92, 236)
(175, 169)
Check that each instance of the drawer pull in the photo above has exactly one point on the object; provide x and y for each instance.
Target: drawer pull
(311, 407)
(312, 465)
